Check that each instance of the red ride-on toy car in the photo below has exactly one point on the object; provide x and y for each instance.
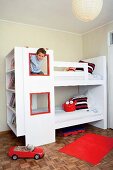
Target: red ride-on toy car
(26, 152)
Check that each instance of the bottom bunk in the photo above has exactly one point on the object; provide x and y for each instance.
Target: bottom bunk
(90, 106)
(66, 119)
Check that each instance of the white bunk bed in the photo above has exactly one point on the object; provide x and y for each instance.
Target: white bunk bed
(37, 92)
(95, 87)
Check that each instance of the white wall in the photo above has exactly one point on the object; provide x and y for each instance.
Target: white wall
(66, 46)
(95, 42)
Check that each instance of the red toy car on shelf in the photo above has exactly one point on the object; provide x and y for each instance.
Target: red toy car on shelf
(26, 152)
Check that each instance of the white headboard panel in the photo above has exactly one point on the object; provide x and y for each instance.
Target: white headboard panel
(100, 65)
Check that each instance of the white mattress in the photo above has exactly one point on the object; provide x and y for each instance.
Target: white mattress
(62, 116)
(94, 76)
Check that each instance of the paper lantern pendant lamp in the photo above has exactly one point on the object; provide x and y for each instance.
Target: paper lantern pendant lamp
(86, 10)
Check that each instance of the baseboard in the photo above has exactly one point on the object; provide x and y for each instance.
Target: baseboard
(5, 132)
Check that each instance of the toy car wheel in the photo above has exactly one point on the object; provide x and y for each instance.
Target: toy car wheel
(14, 157)
(36, 156)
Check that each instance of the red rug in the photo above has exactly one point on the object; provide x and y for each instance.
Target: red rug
(90, 147)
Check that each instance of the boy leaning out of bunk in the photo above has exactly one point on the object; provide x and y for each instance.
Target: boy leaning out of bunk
(37, 60)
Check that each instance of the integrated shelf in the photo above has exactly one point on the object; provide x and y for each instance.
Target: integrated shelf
(12, 109)
(13, 128)
(14, 91)
(10, 70)
(11, 90)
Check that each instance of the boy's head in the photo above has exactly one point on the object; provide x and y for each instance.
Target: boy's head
(40, 54)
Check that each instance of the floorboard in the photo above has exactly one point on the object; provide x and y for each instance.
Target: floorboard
(53, 160)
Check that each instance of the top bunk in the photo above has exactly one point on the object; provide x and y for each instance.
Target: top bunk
(85, 72)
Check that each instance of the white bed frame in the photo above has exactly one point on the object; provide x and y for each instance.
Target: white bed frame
(40, 129)
(96, 93)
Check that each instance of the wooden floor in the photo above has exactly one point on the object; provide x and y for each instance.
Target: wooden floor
(53, 160)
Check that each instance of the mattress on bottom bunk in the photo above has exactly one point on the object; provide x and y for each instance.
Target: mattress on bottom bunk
(62, 116)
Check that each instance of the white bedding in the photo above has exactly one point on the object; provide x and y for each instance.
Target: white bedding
(62, 116)
(94, 77)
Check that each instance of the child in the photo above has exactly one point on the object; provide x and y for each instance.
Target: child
(36, 61)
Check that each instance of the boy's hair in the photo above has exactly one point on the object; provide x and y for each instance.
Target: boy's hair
(41, 50)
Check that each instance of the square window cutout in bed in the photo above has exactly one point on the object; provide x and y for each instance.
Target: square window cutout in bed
(39, 103)
(39, 67)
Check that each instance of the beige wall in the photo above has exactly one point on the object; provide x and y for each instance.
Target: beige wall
(66, 46)
(95, 42)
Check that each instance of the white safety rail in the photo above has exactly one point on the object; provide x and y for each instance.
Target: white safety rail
(61, 64)
(70, 78)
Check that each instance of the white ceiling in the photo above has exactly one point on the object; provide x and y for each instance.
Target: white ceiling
(55, 14)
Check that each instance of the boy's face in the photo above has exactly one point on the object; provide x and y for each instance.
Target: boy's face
(40, 56)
